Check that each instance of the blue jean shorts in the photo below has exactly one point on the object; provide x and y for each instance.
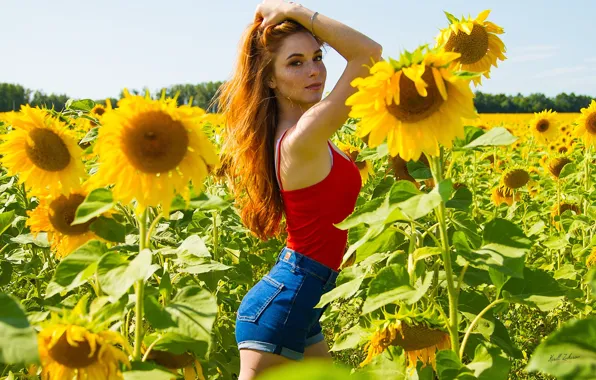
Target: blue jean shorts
(278, 313)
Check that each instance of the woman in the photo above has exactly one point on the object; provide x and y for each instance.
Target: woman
(279, 161)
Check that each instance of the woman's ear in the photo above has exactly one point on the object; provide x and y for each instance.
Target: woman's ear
(271, 82)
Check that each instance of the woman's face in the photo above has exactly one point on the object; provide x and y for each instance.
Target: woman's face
(297, 65)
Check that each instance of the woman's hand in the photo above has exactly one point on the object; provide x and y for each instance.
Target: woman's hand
(273, 12)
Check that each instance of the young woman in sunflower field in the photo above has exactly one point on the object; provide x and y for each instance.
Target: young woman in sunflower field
(278, 144)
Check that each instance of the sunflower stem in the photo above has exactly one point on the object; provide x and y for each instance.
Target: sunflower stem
(587, 185)
(474, 323)
(152, 227)
(140, 290)
(215, 236)
(440, 211)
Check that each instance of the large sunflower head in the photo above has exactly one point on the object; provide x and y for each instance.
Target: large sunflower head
(477, 42)
(71, 347)
(186, 361)
(417, 103)
(545, 126)
(150, 150)
(515, 178)
(503, 194)
(559, 208)
(586, 125)
(364, 167)
(555, 165)
(54, 215)
(43, 152)
(419, 341)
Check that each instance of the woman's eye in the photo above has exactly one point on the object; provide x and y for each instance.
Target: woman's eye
(296, 63)
(319, 58)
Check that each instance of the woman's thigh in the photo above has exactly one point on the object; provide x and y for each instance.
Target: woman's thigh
(254, 362)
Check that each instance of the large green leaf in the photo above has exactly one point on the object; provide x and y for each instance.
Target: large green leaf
(504, 248)
(5, 272)
(471, 303)
(350, 338)
(538, 289)
(116, 274)
(490, 363)
(568, 353)
(391, 364)
(19, 341)
(109, 229)
(96, 203)
(345, 290)
(495, 137)
(190, 314)
(209, 202)
(392, 284)
(449, 367)
(76, 268)
(6, 220)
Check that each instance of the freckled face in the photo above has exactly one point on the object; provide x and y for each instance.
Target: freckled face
(297, 65)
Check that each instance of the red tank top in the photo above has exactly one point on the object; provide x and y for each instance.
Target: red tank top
(312, 211)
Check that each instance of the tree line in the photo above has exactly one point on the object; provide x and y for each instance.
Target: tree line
(12, 96)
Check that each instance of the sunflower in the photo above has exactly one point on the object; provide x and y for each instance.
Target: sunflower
(555, 165)
(364, 167)
(502, 194)
(515, 178)
(186, 361)
(43, 152)
(54, 216)
(586, 125)
(70, 346)
(477, 42)
(150, 150)
(544, 126)
(591, 259)
(419, 342)
(560, 208)
(417, 103)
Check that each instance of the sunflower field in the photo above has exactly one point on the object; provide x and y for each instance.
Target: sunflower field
(471, 251)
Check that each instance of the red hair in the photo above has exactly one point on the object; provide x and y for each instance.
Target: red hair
(251, 114)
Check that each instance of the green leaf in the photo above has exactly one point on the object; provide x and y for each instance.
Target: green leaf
(90, 136)
(471, 133)
(392, 284)
(5, 272)
(345, 290)
(96, 203)
(391, 364)
(495, 137)
(490, 363)
(537, 288)
(82, 105)
(449, 367)
(350, 338)
(195, 246)
(208, 202)
(471, 303)
(373, 153)
(567, 170)
(116, 274)
(190, 314)
(569, 353)
(461, 200)
(6, 220)
(451, 18)
(420, 205)
(206, 267)
(504, 248)
(41, 240)
(76, 268)
(19, 340)
(109, 229)
(418, 170)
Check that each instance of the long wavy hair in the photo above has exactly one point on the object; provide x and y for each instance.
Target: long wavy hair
(251, 114)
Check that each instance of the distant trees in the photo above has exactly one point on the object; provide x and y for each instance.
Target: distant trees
(501, 103)
(12, 96)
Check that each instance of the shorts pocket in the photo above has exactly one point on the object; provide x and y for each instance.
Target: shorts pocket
(258, 298)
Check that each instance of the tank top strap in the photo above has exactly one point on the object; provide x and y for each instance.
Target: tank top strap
(278, 155)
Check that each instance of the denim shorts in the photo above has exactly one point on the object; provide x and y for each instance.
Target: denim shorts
(278, 313)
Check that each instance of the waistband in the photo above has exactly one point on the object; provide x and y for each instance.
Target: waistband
(317, 269)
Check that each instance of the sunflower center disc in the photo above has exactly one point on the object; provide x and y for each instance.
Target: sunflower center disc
(472, 48)
(418, 337)
(412, 107)
(47, 150)
(62, 213)
(591, 123)
(542, 125)
(156, 143)
(73, 356)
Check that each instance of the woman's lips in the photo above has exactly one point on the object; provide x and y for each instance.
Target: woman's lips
(315, 87)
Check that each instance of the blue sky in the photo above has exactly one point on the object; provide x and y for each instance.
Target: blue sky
(94, 49)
